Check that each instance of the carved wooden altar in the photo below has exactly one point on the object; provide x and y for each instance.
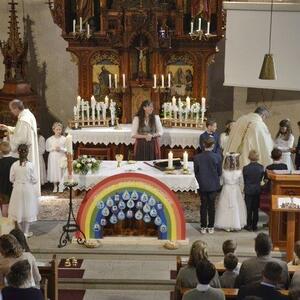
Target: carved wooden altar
(138, 39)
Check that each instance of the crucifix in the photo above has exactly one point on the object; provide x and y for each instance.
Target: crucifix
(142, 63)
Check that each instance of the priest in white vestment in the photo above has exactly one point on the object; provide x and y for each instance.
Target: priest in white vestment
(251, 133)
(25, 132)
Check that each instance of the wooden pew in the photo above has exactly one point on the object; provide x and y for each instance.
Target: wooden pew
(49, 282)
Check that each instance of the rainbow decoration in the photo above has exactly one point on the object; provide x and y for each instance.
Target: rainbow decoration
(131, 195)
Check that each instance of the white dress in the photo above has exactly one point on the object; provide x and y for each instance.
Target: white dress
(283, 145)
(42, 149)
(223, 140)
(23, 205)
(55, 172)
(231, 210)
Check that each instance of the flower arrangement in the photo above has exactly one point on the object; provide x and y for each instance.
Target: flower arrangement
(83, 164)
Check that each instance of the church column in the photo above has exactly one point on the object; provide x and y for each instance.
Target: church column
(156, 70)
(126, 99)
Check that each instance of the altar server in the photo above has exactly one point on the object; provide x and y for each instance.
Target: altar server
(146, 130)
(25, 132)
(55, 145)
(23, 205)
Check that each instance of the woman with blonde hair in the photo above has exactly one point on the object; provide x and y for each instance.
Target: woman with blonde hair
(187, 277)
(12, 252)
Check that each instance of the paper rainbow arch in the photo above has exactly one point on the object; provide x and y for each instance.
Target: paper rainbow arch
(91, 212)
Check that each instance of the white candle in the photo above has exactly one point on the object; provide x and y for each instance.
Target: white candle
(109, 81)
(88, 111)
(69, 144)
(78, 101)
(169, 80)
(185, 160)
(75, 112)
(154, 81)
(106, 100)
(188, 102)
(123, 76)
(199, 24)
(208, 27)
(162, 81)
(88, 30)
(116, 81)
(98, 110)
(93, 102)
(173, 100)
(192, 27)
(170, 160)
(203, 100)
(82, 110)
(74, 26)
(80, 24)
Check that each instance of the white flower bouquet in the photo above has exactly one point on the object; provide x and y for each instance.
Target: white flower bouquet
(83, 164)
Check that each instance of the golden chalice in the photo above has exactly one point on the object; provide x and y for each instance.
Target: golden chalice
(119, 158)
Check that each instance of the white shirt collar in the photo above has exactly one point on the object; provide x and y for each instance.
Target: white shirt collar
(202, 287)
(6, 155)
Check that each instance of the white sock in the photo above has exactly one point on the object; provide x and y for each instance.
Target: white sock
(54, 187)
(26, 227)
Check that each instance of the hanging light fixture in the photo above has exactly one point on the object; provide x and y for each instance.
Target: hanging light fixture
(267, 71)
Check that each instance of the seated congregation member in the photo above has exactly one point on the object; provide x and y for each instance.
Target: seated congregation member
(229, 246)
(211, 132)
(12, 252)
(295, 283)
(277, 164)
(205, 271)
(227, 279)
(19, 235)
(251, 269)
(231, 211)
(253, 174)
(146, 130)
(267, 288)
(208, 169)
(187, 276)
(296, 259)
(6, 162)
(19, 283)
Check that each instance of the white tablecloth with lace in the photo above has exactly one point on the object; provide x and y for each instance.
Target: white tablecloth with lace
(107, 135)
(177, 182)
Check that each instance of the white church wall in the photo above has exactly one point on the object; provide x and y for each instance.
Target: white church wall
(50, 47)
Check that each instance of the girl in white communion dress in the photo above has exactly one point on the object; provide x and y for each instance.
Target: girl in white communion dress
(231, 213)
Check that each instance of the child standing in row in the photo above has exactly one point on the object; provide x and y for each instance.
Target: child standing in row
(23, 206)
(55, 145)
(5, 185)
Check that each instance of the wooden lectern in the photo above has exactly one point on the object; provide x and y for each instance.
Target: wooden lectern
(283, 185)
(290, 228)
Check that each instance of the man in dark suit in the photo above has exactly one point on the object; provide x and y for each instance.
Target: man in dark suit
(208, 169)
(266, 289)
(253, 173)
(211, 127)
(251, 269)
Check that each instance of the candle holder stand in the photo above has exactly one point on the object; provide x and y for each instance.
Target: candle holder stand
(183, 123)
(86, 123)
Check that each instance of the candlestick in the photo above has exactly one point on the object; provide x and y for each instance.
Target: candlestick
(170, 160)
(80, 24)
(116, 81)
(154, 78)
(88, 30)
(208, 27)
(123, 77)
(169, 80)
(185, 160)
(74, 26)
(98, 108)
(75, 112)
(106, 100)
(109, 81)
(162, 81)
(82, 110)
(192, 27)
(88, 112)
(69, 144)
(199, 24)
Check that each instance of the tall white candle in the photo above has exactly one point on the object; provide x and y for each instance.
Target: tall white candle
(185, 160)
(78, 101)
(88, 30)
(116, 81)
(173, 100)
(109, 81)
(106, 99)
(170, 160)
(154, 79)
(162, 81)
(80, 24)
(69, 144)
(75, 112)
(82, 110)
(208, 27)
(188, 102)
(203, 100)
(169, 80)
(123, 77)
(192, 27)
(74, 26)
(199, 24)
(88, 111)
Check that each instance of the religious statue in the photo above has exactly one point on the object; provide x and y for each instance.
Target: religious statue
(188, 82)
(103, 78)
(142, 61)
(179, 78)
(85, 10)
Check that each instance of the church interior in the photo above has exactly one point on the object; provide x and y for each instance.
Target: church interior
(150, 149)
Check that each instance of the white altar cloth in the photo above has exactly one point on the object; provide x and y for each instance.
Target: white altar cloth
(177, 182)
(108, 135)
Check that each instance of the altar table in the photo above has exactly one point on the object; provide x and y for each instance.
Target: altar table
(108, 135)
(177, 182)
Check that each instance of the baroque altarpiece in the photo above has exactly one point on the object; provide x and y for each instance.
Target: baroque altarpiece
(134, 41)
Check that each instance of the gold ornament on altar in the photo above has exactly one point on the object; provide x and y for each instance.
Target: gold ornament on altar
(119, 159)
